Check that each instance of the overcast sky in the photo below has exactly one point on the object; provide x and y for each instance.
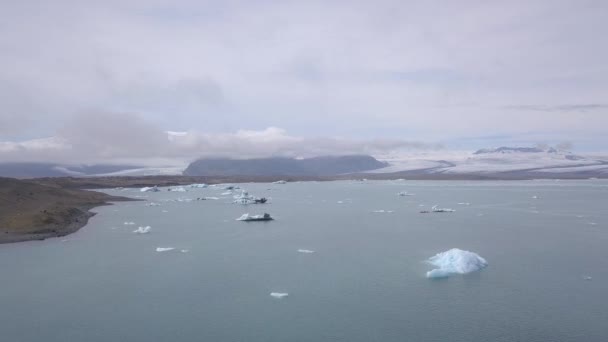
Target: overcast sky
(107, 79)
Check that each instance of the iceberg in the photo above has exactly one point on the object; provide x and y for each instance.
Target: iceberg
(279, 295)
(150, 189)
(164, 249)
(455, 261)
(305, 251)
(405, 193)
(152, 204)
(382, 211)
(280, 182)
(129, 223)
(142, 230)
(199, 186)
(177, 189)
(245, 198)
(247, 217)
(226, 193)
(436, 209)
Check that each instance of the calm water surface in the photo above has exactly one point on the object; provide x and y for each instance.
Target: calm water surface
(365, 282)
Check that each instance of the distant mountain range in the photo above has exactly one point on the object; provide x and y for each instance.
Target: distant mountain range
(500, 163)
(318, 166)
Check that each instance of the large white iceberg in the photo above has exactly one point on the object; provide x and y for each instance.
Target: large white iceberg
(150, 189)
(455, 261)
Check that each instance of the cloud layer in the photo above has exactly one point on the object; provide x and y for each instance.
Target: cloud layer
(128, 138)
(389, 70)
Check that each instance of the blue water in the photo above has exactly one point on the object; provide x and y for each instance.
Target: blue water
(365, 282)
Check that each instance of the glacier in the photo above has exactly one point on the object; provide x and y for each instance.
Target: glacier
(455, 261)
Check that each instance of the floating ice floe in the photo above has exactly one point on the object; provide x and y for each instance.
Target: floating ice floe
(245, 198)
(587, 278)
(152, 204)
(340, 202)
(382, 211)
(227, 193)
(305, 251)
(142, 230)
(164, 249)
(464, 203)
(455, 261)
(436, 209)
(199, 186)
(129, 223)
(185, 250)
(279, 295)
(177, 189)
(280, 182)
(150, 189)
(211, 198)
(405, 193)
(247, 217)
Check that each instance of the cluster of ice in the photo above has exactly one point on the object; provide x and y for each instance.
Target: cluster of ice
(142, 230)
(164, 249)
(280, 182)
(152, 204)
(464, 203)
(245, 198)
(200, 186)
(150, 189)
(405, 193)
(129, 223)
(177, 189)
(279, 295)
(455, 261)
(383, 211)
(305, 251)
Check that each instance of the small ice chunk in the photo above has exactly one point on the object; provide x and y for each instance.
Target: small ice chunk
(436, 209)
(150, 189)
(164, 249)
(592, 223)
(226, 193)
(405, 193)
(185, 250)
(340, 202)
(142, 230)
(177, 189)
(152, 204)
(128, 223)
(535, 197)
(201, 185)
(279, 295)
(455, 261)
(280, 182)
(211, 198)
(305, 251)
(382, 211)
(587, 278)
(464, 203)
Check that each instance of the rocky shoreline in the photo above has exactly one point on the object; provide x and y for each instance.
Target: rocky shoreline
(32, 211)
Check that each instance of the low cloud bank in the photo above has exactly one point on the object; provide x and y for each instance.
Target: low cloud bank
(125, 137)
